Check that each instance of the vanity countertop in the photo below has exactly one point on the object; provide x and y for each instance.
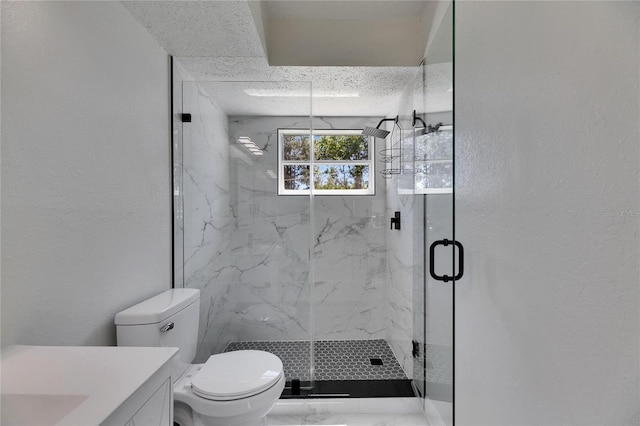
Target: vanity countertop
(73, 385)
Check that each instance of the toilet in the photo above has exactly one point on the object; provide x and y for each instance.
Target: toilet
(230, 389)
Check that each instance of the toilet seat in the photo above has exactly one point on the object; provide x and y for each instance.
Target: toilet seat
(236, 375)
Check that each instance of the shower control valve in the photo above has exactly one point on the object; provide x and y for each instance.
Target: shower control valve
(395, 221)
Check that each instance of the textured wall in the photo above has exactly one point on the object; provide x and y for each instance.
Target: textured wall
(86, 209)
(547, 200)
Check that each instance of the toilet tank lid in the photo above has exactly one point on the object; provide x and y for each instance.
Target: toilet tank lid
(158, 308)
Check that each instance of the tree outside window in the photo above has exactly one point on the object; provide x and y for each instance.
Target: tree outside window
(342, 162)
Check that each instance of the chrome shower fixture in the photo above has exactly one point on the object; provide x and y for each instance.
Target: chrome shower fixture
(377, 132)
(424, 129)
(416, 118)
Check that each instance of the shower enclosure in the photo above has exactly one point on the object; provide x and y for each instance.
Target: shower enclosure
(351, 283)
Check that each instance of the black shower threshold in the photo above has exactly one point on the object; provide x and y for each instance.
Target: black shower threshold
(350, 389)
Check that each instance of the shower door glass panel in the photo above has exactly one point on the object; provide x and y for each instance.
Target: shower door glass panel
(349, 270)
(432, 166)
(246, 248)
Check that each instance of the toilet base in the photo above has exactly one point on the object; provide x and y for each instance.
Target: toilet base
(235, 421)
(184, 416)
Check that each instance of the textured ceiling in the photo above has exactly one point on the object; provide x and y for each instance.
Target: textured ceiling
(362, 9)
(219, 41)
(200, 28)
(348, 91)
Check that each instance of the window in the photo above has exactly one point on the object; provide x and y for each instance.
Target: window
(434, 162)
(340, 163)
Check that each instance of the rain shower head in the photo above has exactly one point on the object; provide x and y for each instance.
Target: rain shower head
(377, 132)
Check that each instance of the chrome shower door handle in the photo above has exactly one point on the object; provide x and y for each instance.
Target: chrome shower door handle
(432, 256)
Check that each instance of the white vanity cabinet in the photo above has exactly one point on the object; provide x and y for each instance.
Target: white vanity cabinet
(150, 405)
(58, 385)
(157, 410)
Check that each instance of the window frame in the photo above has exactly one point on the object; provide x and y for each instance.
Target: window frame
(312, 162)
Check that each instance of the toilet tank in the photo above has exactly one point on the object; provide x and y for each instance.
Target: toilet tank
(169, 319)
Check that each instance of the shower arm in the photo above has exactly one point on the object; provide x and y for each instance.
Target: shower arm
(416, 118)
(387, 119)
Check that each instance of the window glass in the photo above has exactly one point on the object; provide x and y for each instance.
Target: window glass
(296, 177)
(342, 162)
(295, 147)
(341, 176)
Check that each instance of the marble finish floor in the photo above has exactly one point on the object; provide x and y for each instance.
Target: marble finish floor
(348, 412)
(354, 419)
(334, 359)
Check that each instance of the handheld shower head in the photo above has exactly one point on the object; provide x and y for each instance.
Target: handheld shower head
(377, 132)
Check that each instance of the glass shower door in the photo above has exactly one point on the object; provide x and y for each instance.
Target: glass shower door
(243, 245)
(433, 166)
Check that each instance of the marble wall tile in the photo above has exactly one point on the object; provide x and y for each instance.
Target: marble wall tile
(364, 206)
(400, 321)
(249, 250)
(179, 75)
(348, 248)
(207, 217)
(269, 311)
(400, 251)
(215, 320)
(348, 310)
(348, 241)
(407, 290)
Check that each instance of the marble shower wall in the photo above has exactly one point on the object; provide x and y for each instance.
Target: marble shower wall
(349, 256)
(207, 217)
(269, 294)
(418, 308)
(248, 249)
(402, 265)
(272, 298)
(404, 262)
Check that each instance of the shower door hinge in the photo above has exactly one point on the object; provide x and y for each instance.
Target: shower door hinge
(415, 352)
(186, 117)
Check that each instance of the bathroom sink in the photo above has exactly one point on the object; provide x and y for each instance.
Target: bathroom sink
(82, 385)
(35, 409)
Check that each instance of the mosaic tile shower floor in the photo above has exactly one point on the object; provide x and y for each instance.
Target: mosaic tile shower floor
(334, 359)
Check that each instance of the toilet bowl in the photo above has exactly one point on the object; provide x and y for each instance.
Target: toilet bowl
(230, 390)
(234, 388)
